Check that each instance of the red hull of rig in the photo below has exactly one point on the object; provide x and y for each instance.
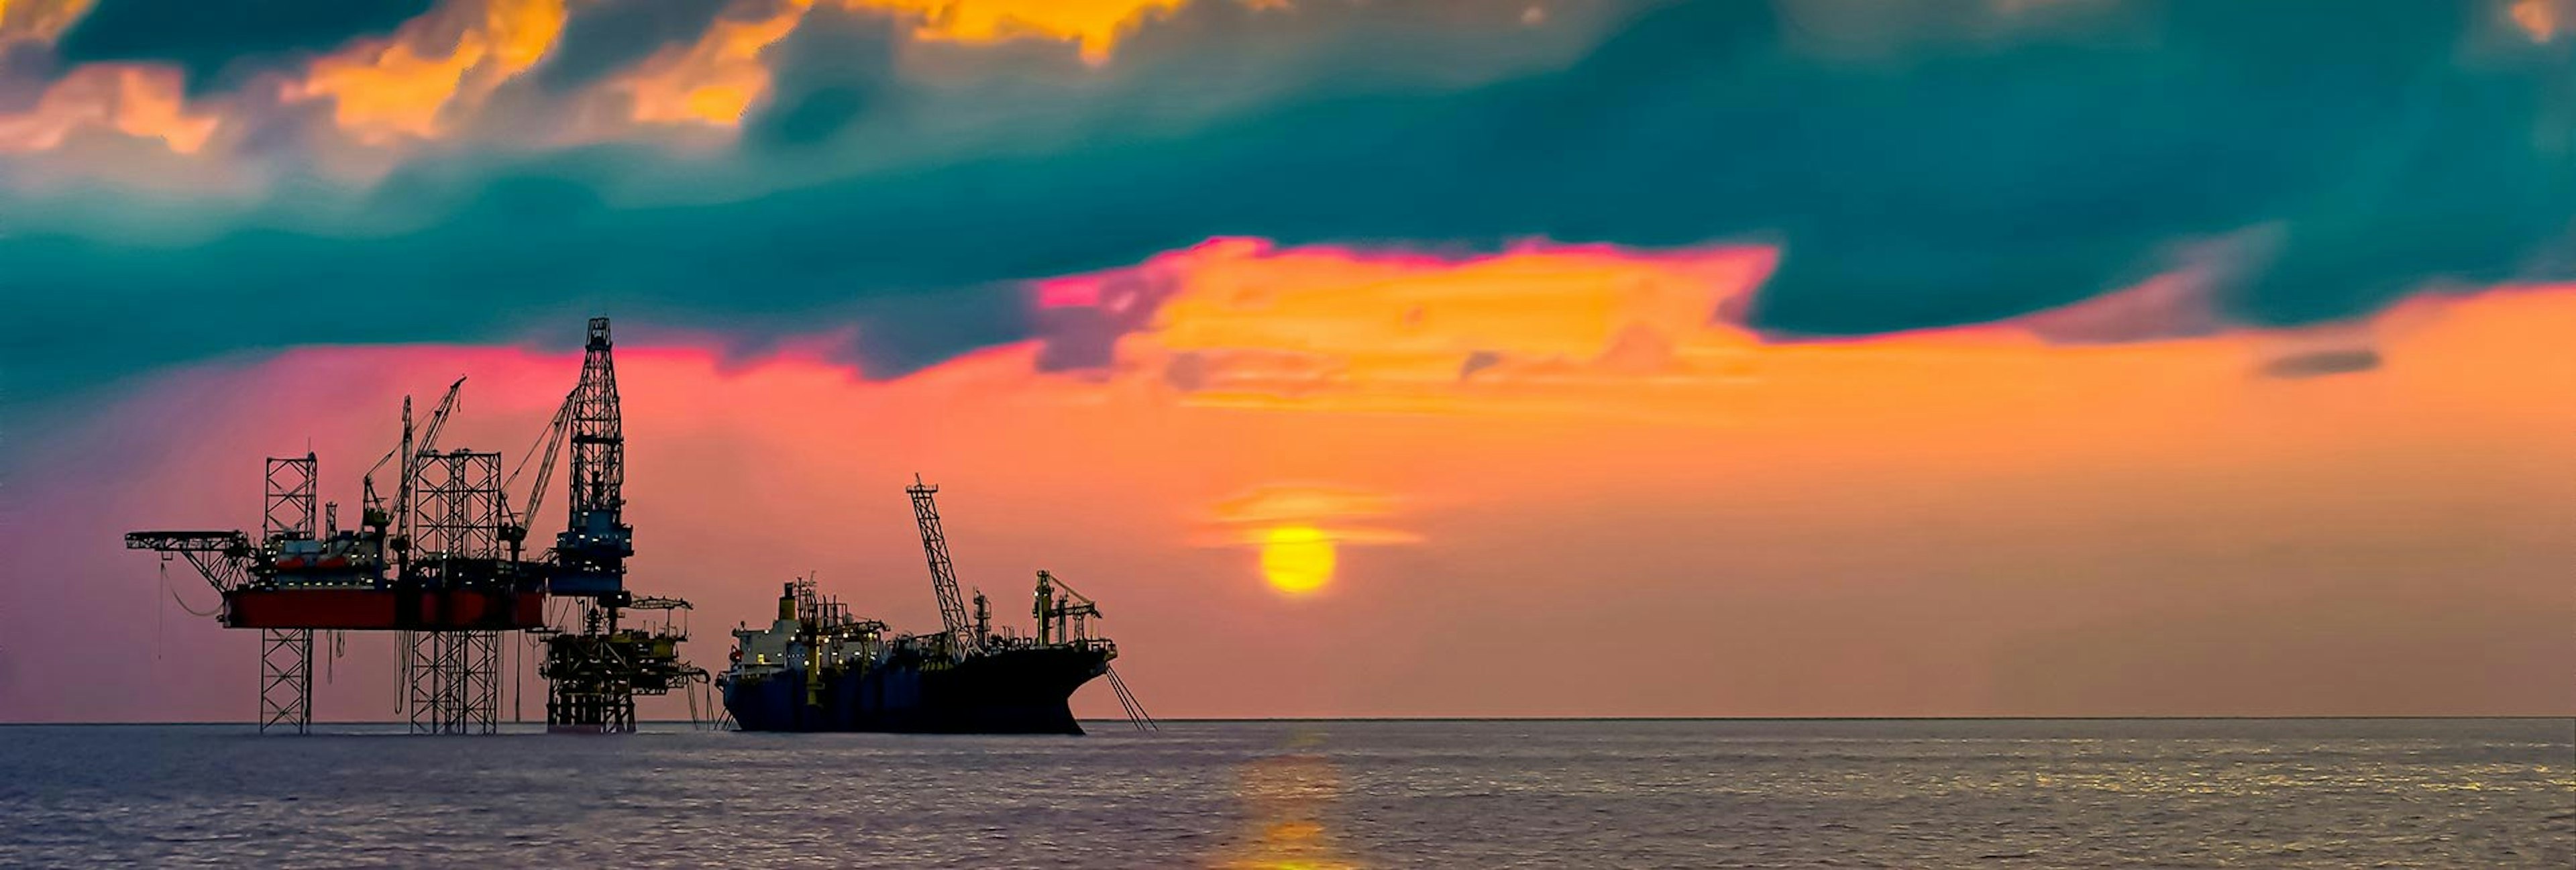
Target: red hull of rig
(384, 609)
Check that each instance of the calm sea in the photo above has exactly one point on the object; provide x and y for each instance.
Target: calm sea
(2269, 793)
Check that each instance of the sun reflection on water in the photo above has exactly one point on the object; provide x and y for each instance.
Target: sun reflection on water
(1284, 800)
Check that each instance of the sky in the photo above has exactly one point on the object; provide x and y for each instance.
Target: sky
(1391, 358)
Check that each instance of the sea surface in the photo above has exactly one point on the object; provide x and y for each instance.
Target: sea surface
(1314, 794)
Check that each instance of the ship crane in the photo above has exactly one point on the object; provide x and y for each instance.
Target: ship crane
(954, 625)
(1071, 613)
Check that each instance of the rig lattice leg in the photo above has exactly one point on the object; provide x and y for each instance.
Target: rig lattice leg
(286, 680)
(446, 683)
(482, 695)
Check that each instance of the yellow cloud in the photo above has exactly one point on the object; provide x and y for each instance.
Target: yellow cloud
(1094, 25)
(454, 56)
(444, 64)
(1245, 324)
(1328, 514)
(716, 79)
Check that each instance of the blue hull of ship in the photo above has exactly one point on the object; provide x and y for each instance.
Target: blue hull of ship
(1025, 691)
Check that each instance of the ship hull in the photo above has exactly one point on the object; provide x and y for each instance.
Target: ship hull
(1022, 691)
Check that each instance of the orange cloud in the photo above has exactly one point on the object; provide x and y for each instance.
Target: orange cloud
(417, 82)
(139, 101)
(1341, 514)
(1240, 321)
(38, 20)
(716, 79)
(1570, 331)
(2543, 20)
(455, 56)
(1094, 25)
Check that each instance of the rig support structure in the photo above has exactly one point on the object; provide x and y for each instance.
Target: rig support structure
(286, 680)
(286, 654)
(453, 675)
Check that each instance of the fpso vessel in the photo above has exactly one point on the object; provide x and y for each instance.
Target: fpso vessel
(818, 668)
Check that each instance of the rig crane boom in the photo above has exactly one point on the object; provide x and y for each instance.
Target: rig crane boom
(428, 442)
(943, 573)
(551, 445)
(405, 458)
(223, 558)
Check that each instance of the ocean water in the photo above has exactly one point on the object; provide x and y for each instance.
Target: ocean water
(2092, 793)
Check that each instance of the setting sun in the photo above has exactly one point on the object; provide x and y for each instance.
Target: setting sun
(1297, 560)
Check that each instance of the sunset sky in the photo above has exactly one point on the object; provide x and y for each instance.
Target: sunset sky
(1389, 358)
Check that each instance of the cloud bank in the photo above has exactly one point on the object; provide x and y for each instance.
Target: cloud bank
(762, 169)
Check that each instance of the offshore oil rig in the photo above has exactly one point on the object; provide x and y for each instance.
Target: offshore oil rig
(443, 563)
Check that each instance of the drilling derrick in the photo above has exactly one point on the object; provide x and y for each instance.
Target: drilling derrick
(594, 667)
(959, 634)
(591, 553)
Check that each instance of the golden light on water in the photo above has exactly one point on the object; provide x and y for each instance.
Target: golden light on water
(1286, 802)
(1297, 560)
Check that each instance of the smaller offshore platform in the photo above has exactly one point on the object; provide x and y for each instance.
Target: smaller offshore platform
(816, 667)
(442, 562)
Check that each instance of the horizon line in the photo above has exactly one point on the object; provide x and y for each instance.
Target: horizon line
(1258, 719)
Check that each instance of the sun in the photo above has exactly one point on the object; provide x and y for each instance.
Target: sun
(1297, 560)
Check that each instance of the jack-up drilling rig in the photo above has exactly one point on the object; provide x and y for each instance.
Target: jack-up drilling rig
(427, 566)
(443, 565)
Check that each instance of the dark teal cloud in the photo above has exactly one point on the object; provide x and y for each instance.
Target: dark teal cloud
(1939, 176)
(607, 36)
(204, 37)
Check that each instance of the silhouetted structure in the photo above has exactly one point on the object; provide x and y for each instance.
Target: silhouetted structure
(442, 564)
(816, 668)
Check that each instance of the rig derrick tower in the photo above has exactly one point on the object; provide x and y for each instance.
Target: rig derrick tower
(594, 667)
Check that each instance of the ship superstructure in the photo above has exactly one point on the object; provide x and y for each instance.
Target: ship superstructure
(818, 667)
